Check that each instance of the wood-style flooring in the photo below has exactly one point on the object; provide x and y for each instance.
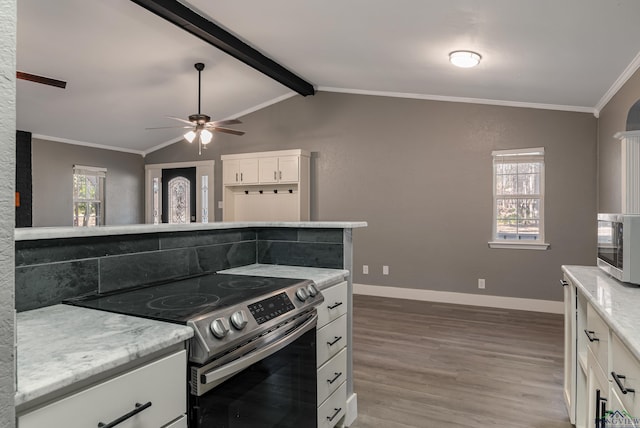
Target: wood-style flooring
(423, 364)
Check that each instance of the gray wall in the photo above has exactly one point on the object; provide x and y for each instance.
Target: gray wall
(8, 10)
(420, 173)
(53, 182)
(613, 118)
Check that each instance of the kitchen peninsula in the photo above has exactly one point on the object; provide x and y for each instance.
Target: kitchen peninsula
(54, 264)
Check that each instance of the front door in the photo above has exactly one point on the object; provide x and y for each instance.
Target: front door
(179, 195)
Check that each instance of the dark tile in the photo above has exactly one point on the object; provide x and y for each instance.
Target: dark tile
(205, 237)
(49, 284)
(56, 250)
(278, 234)
(217, 257)
(301, 254)
(145, 268)
(320, 235)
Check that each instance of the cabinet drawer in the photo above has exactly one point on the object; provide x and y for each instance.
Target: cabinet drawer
(161, 383)
(331, 339)
(331, 375)
(599, 338)
(627, 369)
(334, 305)
(332, 410)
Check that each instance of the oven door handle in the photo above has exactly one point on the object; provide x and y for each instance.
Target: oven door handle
(240, 364)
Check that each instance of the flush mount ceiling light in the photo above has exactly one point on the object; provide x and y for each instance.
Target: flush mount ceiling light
(464, 59)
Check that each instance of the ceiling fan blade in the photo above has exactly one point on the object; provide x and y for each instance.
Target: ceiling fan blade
(181, 120)
(226, 130)
(171, 127)
(41, 79)
(223, 122)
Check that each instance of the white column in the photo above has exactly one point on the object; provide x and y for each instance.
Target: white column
(630, 171)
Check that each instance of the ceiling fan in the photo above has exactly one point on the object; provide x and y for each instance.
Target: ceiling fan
(41, 79)
(200, 125)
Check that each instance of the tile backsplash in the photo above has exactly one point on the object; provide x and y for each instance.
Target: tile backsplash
(51, 270)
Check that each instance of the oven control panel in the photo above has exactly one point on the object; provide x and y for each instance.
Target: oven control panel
(270, 308)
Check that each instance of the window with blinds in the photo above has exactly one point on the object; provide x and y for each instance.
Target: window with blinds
(518, 196)
(88, 196)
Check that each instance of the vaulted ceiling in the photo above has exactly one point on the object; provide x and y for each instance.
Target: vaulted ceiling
(127, 69)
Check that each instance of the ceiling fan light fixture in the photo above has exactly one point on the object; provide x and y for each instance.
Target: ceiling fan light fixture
(205, 136)
(190, 136)
(464, 59)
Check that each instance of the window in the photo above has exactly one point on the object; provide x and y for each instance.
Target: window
(88, 195)
(518, 199)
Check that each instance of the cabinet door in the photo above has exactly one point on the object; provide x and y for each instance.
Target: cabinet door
(288, 169)
(248, 171)
(598, 396)
(231, 171)
(570, 355)
(268, 170)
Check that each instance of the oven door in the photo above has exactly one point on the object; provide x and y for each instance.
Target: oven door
(273, 386)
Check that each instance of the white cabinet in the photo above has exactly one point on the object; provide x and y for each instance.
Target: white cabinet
(240, 171)
(154, 395)
(332, 355)
(266, 186)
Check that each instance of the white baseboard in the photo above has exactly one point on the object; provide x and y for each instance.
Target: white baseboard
(535, 305)
(352, 410)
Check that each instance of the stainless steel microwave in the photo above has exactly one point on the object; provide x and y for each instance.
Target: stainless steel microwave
(619, 246)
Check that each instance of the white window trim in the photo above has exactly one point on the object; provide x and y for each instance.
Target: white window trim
(97, 172)
(538, 244)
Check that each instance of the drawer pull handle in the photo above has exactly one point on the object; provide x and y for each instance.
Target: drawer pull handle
(617, 378)
(336, 340)
(336, 413)
(335, 305)
(139, 408)
(563, 283)
(337, 375)
(590, 334)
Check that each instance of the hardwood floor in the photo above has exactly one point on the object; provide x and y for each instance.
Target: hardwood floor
(423, 364)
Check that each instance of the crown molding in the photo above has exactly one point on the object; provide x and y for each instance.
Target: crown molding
(620, 81)
(86, 144)
(504, 103)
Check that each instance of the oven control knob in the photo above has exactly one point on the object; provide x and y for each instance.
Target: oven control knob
(239, 320)
(219, 327)
(312, 290)
(302, 294)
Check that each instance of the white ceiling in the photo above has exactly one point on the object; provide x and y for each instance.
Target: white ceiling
(127, 69)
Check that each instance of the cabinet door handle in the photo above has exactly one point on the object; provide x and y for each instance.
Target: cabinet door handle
(236, 177)
(335, 413)
(563, 283)
(335, 305)
(336, 340)
(275, 177)
(590, 334)
(241, 178)
(280, 175)
(139, 408)
(617, 378)
(336, 377)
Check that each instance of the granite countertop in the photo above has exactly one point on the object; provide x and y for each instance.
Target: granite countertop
(615, 301)
(32, 233)
(323, 277)
(60, 345)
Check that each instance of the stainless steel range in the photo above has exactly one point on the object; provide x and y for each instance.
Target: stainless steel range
(252, 360)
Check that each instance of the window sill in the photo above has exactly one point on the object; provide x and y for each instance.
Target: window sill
(519, 245)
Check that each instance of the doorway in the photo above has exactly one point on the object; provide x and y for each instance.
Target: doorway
(179, 195)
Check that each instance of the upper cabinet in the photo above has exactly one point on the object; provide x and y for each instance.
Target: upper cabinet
(266, 186)
(240, 171)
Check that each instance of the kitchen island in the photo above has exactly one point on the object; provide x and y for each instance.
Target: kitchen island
(68, 262)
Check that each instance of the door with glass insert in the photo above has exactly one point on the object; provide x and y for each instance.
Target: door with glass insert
(179, 195)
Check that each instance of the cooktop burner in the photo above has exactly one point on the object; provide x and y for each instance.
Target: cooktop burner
(180, 301)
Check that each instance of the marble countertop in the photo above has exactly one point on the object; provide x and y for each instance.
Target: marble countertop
(31, 233)
(616, 302)
(323, 277)
(60, 345)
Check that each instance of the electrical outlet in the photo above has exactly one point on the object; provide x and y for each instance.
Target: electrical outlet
(385, 270)
(481, 283)
(220, 205)
(365, 269)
